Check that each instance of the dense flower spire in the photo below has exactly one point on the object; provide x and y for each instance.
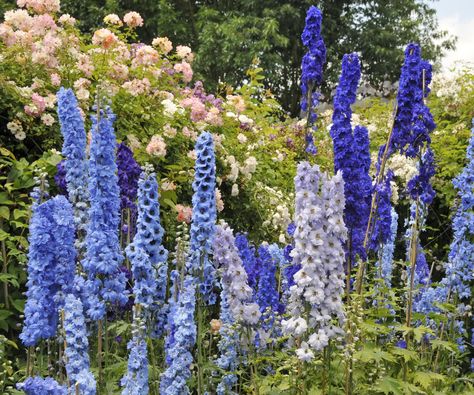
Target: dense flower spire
(234, 277)
(384, 264)
(77, 344)
(135, 381)
(103, 254)
(44, 386)
(460, 266)
(352, 156)
(147, 253)
(382, 229)
(51, 267)
(173, 379)
(204, 217)
(312, 69)
(319, 284)
(74, 151)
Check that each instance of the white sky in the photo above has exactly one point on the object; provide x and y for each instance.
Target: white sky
(457, 17)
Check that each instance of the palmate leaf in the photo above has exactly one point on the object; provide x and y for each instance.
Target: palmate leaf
(371, 353)
(390, 386)
(408, 355)
(426, 379)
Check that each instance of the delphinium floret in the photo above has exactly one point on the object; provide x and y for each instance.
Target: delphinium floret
(105, 281)
(51, 267)
(249, 260)
(77, 347)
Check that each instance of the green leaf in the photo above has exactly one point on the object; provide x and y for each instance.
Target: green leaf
(3, 235)
(419, 331)
(19, 304)
(370, 353)
(4, 212)
(408, 355)
(17, 213)
(390, 386)
(425, 379)
(4, 314)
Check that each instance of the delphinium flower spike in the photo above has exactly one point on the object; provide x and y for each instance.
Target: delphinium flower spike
(319, 284)
(75, 162)
(147, 254)
(135, 381)
(41, 386)
(249, 260)
(51, 267)
(382, 229)
(204, 218)
(352, 157)
(384, 264)
(312, 71)
(77, 347)
(105, 281)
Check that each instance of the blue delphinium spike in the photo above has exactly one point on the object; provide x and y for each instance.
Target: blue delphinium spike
(204, 218)
(77, 347)
(249, 260)
(103, 255)
(51, 267)
(135, 381)
(75, 162)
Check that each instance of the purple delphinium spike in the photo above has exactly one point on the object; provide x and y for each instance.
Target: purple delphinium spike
(352, 157)
(51, 267)
(382, 228)
(312, 70)
(249, 260)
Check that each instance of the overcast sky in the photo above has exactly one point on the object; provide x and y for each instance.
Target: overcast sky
(457, 16)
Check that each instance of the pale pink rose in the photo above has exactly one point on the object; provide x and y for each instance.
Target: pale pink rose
(67, 19)
(84, 64)
(213, 117)
(119, 72)
(219, 201)
(198, 109)
(184, 68)
(104, 38)
(37, 107)
(18, 19)
(215, 326)
(184, 52)
(242, 138)
(50, 100)
(134, 143)
(112, 19)
(145, 56)
(42, 24)
(8, 35)
(55, 79)
(121, 52)
(189, 133)
(82, 94)
(163, 43)
(169, 131)
(185, 213)
(81, 83)
(192, 155)
(47, 119)
(156, 146)
(133, 19)
(167, 185)
(136, 87)
(237, 102)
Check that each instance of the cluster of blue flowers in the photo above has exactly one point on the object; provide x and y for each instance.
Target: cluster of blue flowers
(384, 264)
(105, 282)
(146, 253)
(135, 382)
(352, 157)
(204, 217)
(312, 69)
(51, 267)
(179, 350)
(77, 362)
(75, 163)
(44, 386)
